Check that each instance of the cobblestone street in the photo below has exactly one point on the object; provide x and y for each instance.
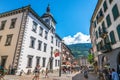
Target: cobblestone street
(53, 76)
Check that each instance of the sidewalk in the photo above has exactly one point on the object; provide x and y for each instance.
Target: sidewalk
(52, 76)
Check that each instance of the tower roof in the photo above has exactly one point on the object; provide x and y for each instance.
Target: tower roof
(48, 14)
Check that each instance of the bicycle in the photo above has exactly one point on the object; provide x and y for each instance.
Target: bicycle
(2, 75)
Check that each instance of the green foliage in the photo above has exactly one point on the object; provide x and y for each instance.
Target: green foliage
(90, 58)
(81, 49)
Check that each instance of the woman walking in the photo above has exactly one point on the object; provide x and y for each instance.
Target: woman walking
(37, 72)
(46, 73)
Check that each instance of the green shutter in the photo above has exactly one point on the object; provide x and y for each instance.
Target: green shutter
(112, 37)
(103, 27)
(108, 20)
(118, 31)
(115, 12)
(105, 6)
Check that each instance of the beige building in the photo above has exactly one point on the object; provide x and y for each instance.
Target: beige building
(105, 33)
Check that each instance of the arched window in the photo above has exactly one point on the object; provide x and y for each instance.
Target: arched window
(118, 31)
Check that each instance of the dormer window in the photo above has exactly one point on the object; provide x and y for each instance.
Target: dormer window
(46, 20)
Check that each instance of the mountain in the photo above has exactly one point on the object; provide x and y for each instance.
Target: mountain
(81, 49)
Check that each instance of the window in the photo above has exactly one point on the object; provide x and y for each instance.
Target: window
(32, 42)
(45, 47)
(105, 6)
(98, 46)
(37, 60)
(95, 23)
(51, 39)
(58, 62)
(2, 25)
(110, 1)
(55, 62)
(99, 31)
(39, 45)
(41, 31)
(3, 60)
(34, 27)
(52, 29)
(0, 38)
(51, 51)
(9, 39)
(47, 20)
(29, 63)
(46, 34)
(118, 31)
(13, 21)
(112, 37)
(56, 42)
(44, 61)
(96, 34)
(103, 27)
(115, 12)
(100, 16)
(108, 20)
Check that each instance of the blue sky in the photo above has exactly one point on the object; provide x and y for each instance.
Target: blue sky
(72, 16)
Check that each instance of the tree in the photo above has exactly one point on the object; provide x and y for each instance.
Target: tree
(90, 58)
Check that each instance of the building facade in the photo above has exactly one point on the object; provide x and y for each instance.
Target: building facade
(105, 24)
(67, 57)
(27, 39)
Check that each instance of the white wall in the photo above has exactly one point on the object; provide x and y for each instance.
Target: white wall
(26, 50)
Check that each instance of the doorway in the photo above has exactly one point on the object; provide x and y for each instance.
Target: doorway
(3, 60)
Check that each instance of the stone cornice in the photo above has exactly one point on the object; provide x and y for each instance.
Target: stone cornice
(13, 12)
(23, 9)
(96, 9)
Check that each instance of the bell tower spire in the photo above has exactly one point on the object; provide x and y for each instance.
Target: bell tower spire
(48, 9)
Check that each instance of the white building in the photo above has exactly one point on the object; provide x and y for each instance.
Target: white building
(31, 40)
(106, 23)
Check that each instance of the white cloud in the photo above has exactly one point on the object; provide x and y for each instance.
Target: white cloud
(77, 38)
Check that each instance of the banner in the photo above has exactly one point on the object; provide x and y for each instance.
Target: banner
(56, 53)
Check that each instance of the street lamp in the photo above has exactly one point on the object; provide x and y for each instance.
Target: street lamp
(60, 63)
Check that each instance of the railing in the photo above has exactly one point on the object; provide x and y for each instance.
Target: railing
(106, 48)
(100, 18)
(103, 33)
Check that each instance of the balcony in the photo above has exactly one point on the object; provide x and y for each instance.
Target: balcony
(100, 16)
(103, 33)
(106, 48)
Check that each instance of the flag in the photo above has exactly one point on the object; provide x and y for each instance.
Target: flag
(56, 54)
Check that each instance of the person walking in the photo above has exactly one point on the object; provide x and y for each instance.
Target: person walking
(37, 72)
(85, 73)
(46, 73)
(114, 75)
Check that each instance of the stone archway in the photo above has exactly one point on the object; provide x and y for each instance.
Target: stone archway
(105, 62)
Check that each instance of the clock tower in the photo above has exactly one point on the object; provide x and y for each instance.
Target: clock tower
(48, 18)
